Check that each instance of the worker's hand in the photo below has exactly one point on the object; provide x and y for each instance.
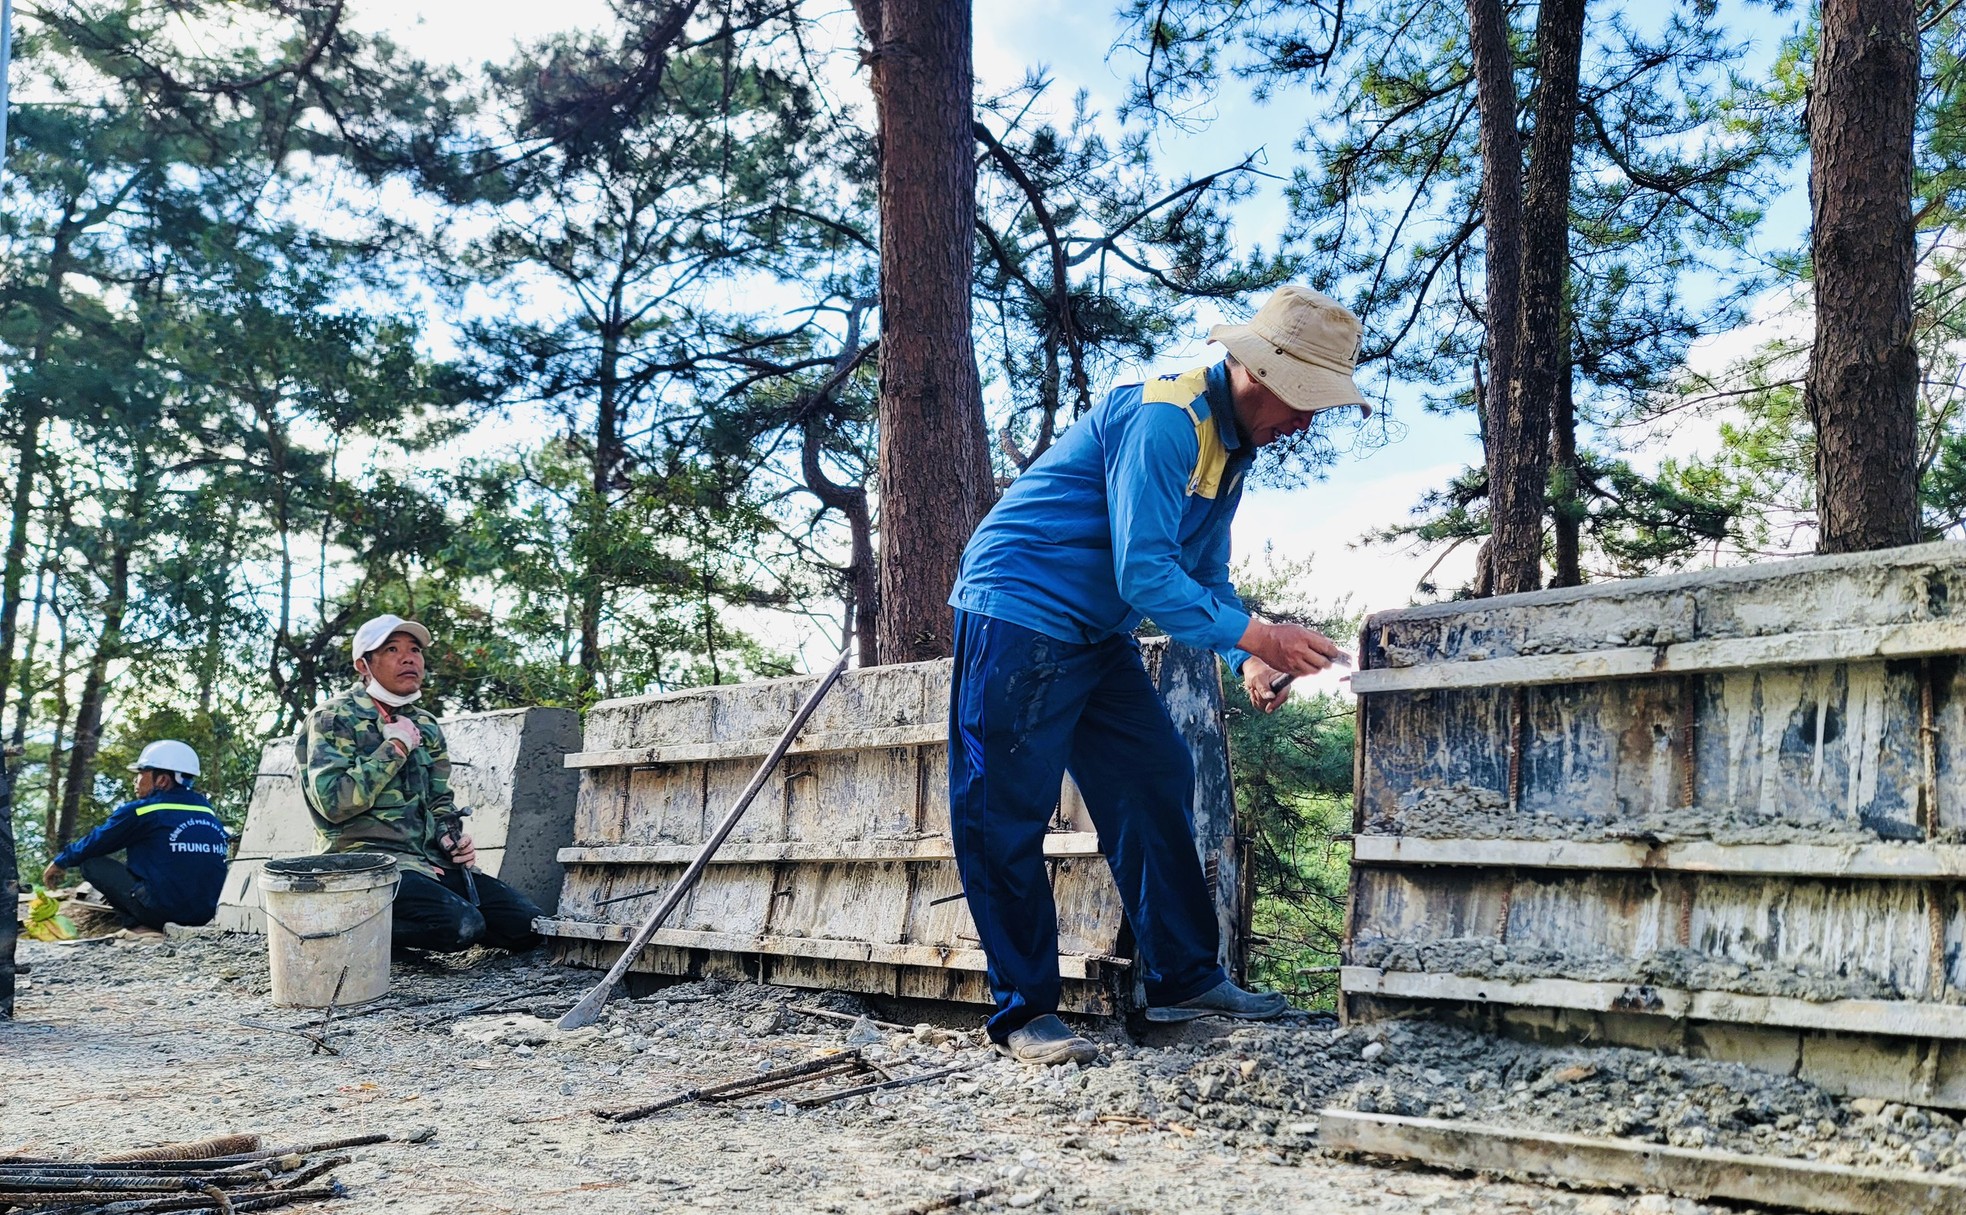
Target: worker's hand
(1291, 648)
(464, 852)
(51, 876)
(1257, 676)
(403, 730)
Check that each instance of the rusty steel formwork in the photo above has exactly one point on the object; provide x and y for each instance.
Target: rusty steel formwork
(842, 875)
(1719, 813)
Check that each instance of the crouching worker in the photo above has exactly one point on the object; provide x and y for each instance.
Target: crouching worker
(1127, 515)
(172, 839)
(376, 775)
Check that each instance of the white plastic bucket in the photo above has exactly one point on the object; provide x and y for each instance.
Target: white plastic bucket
(327, 927)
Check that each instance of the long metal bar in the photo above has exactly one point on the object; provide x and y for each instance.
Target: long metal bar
(799, 1073)
(588, 1010)
(806, 1103)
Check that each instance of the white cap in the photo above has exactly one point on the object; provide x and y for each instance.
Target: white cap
(168, 755)
(370, 636)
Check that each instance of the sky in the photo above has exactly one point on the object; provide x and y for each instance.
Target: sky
(1323, 520)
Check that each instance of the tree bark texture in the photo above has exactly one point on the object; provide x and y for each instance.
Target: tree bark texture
(1501, 218)
(9, 889)
(95, 686)
(1542, 368)
(934, 462)
(1863, 368)
(10, 587)
(1566, 484)
(862, 576)
(607, 458)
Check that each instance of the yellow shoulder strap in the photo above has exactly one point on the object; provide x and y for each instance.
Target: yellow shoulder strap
(1186, 390)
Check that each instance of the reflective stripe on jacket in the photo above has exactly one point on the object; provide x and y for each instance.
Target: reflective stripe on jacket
(174, 845)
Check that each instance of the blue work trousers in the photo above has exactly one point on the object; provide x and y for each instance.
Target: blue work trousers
(1025, 709)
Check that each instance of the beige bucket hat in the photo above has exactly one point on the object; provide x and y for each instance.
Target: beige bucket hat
(1301, 345)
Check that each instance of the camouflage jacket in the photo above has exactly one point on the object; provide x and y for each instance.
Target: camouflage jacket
(362, 794)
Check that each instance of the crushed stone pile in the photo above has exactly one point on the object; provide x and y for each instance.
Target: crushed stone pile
(1441, 1071)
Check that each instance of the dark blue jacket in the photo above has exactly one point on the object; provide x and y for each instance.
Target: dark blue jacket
(175, 846)
(1126, 516)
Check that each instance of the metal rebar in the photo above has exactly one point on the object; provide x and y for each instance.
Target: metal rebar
(831, 1065)
(201, 1149)
(842, 1094)
(312, 1172)
(949, 1202)
(199, 1204)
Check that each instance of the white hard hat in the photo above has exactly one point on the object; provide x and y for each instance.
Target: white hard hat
(372, 634)
(170, 755)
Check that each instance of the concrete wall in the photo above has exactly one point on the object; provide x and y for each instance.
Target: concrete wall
(842, 874)
(1722, 812)
(507, 766)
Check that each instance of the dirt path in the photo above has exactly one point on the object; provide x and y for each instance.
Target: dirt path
(123, 1044)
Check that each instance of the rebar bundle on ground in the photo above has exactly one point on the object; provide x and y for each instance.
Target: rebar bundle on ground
(220, 1176)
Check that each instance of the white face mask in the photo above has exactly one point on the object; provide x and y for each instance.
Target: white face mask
(378, 692)
(387, 697)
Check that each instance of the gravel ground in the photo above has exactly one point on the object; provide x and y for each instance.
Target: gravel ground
(127, 1043)
(1440, 1071)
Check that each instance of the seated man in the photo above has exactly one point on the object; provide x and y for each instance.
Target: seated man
(173, 839)
(376, 776)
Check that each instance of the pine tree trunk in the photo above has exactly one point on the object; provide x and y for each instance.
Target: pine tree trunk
(1566, 497)
(863, 591)
(934, 467)
(864, 584)
(51, 816)
(1863, 367)
(26, 457)
(88, 712)
(25, 702)
(1541, 366)
(1510, 556)
(9, 889)
(51, 819)
(215, 628)
(607, 458)
(26, 470)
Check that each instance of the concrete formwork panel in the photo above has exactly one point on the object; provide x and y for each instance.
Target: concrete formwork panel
(507, 766)
(1728, 804)
(842, 873)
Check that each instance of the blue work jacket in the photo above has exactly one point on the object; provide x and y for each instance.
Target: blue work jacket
(1126, 516)
(174, 845)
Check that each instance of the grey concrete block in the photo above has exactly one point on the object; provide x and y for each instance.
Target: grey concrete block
(508, 766)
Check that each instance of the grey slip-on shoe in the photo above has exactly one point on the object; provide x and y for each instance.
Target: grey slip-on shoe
(1225, 999)
(1048, 1042)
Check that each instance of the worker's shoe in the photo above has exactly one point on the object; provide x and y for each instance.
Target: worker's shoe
(1047, 1042)
(1225, 999)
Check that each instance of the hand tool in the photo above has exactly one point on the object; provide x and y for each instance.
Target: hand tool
(1283, 679)
(452, 826)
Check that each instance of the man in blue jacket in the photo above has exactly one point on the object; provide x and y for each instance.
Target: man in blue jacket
(1126, 516)
(172, 837)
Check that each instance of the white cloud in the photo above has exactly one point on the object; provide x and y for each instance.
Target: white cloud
(470, 32)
